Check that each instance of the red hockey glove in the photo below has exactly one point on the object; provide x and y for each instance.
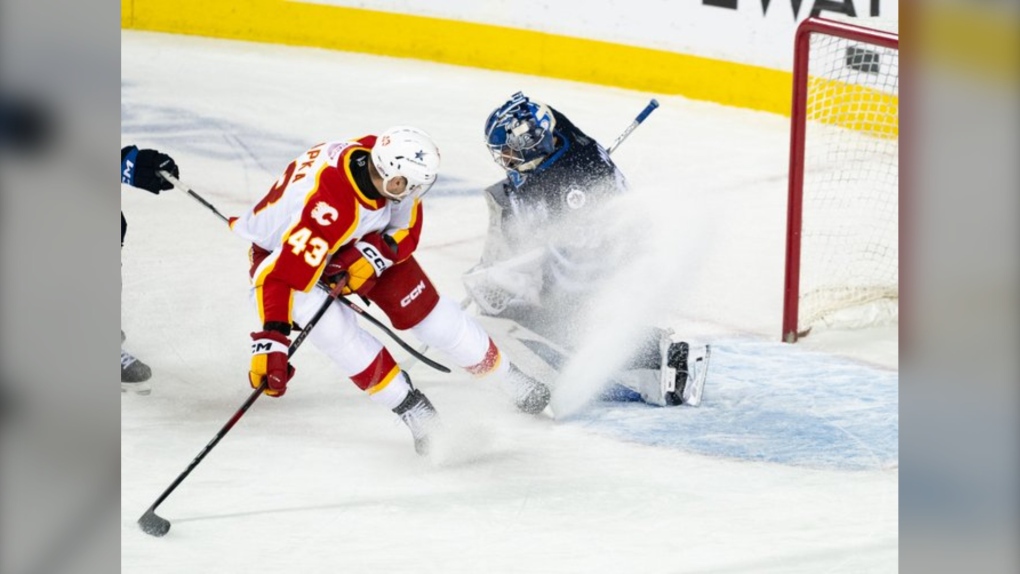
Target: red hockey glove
(363, 262)
(269, 362)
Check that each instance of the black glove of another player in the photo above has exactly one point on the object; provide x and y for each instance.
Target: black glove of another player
(139, 168)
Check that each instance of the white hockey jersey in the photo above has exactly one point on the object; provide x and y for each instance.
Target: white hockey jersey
(313, 210)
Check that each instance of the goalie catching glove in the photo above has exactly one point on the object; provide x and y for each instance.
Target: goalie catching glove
(362, 262)
(269, 362)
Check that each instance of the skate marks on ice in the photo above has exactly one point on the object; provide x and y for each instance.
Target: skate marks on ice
(773, 402)
(468, 436)
(457, 442)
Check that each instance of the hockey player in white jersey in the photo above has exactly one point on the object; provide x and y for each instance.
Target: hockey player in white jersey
(545, 252)
(352, 211)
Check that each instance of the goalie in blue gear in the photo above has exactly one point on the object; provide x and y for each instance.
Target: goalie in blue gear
(545, 252)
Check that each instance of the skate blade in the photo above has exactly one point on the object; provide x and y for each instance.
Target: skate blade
(696, 385)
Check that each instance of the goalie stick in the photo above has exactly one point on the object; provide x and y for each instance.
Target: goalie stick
(155, 525)
(343, 300)
(633, 125)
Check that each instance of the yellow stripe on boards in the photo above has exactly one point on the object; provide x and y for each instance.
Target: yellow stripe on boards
(467, 44)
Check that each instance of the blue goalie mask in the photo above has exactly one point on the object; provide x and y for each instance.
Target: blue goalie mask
(520, 134)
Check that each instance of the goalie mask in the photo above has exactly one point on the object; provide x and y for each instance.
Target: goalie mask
(520, 134)
(409, 153)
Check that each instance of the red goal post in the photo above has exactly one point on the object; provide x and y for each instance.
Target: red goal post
(842, 248)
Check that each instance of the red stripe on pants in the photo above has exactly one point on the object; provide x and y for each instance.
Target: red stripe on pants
(376, 371)
(488, 363)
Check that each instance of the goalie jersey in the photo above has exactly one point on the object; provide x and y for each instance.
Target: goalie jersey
(551, 212)
(568, 183)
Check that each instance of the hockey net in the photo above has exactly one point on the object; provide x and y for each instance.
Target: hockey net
(842, 249)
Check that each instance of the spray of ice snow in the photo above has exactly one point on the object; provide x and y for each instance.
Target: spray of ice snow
(660, 234)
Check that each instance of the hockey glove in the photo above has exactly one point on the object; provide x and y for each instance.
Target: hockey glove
(139, 168)
(269, 362)
(362, 262)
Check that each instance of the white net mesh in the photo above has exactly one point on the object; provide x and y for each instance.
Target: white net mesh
(849, 239)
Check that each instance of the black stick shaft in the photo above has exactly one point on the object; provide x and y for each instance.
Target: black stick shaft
(177, 183)
(215, 440)
(408, 348)
(247, 403)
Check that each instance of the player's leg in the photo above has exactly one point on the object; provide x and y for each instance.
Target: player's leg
(411, 301)
(134, 374)
(366, 361)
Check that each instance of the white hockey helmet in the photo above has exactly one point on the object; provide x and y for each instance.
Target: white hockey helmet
(407, 152)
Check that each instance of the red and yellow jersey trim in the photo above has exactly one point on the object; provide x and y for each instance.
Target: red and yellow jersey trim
(345, 162)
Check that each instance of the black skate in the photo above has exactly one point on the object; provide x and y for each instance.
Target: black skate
(529, 395)
(134, 374)
(420, 416)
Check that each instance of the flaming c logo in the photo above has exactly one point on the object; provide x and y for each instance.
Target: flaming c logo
(324, 213)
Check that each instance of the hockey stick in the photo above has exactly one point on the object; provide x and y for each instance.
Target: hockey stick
(633, 125)
(155, 525)
(180, 185)
(177, 183)
(399, 341)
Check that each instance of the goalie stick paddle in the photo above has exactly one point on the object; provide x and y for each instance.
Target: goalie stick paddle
(418, 355)
(155, 525)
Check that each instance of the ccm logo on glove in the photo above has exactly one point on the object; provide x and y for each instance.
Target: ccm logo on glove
(269, 362)
(379, 262)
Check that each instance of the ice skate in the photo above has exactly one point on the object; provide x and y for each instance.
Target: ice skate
(529, 395)
(681, 378)
(420, 416)
(134, 374)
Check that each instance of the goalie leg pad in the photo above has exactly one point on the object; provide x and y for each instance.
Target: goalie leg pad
(697, 372)
(682, 373)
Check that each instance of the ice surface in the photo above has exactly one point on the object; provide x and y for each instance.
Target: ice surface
(788, 466)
